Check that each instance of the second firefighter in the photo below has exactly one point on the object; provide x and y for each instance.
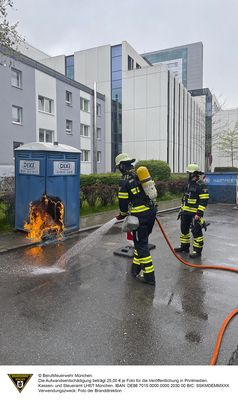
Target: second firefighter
(192, 210)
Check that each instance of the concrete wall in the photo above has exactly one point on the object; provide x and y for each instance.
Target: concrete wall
(57, 63)
(128, 50)
(46, 87)
(69, 112)
(222, 121)
(195, 66)
(94, 65)
(160, 118)
(31, 51)
(144, 105)
(23, 97)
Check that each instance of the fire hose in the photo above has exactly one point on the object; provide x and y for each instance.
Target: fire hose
(220, 267)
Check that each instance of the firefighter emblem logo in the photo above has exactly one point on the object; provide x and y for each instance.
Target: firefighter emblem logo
(20, 380)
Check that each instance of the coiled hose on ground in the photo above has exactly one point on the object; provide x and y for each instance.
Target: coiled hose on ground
(224, 268)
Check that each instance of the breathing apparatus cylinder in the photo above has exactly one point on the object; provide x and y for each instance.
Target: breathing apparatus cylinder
(147, 183)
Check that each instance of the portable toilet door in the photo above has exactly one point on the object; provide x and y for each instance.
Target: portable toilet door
(47, 183)
(30, 172)
(63, 181)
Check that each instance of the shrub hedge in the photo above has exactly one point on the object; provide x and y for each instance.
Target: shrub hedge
(105, 178)
(98, 193)
(159, 170)
(103, 188)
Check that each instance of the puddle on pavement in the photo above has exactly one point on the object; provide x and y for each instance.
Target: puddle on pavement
(56, 258)
(47, 270)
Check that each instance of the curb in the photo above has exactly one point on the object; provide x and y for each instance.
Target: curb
(70, 236)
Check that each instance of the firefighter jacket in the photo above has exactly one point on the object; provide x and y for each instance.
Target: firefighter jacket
(195, 198)
(131, 196)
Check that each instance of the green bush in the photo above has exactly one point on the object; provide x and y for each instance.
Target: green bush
(105, 178)
(98, 193)
(181, 176)
(226, 169)
(7, 212)
(159, 170)
(161, 187)
(177, 186)
(107, 194)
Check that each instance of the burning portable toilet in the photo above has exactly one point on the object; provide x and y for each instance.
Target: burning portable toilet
(47, 189)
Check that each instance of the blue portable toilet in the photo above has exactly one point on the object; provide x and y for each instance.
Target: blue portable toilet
(51, 170)
(222, 187)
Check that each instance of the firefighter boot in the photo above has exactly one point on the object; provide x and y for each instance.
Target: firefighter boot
(135, 269)
(195, 254)
(182, 249)
(147, 278)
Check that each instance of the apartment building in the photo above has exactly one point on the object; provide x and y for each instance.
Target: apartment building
(38, 103)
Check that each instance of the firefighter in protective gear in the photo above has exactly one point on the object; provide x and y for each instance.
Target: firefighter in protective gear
(132, 199)
(193, 206)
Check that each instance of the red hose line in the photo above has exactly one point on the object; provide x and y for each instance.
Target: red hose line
(232, 313)
(187, 263)
(220, 336)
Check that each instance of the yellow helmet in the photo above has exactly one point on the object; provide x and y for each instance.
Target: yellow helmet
(192, 167)
(123, 158)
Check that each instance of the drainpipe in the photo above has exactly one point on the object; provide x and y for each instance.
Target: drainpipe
(94, 128)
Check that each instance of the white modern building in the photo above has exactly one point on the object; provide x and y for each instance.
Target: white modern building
(185, 62)
(223, 121)
(148, 112)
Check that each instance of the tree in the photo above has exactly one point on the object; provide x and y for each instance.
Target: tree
(228, 143)
(9, 36)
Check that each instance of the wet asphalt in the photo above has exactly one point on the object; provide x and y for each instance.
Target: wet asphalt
(92, 312)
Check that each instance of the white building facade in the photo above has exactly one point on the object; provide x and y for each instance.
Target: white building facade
(223, 121)
(148, 111)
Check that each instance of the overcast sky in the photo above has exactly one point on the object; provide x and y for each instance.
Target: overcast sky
(62, 27)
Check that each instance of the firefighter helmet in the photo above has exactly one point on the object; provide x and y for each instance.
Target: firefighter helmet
(123, 158)
(192, 167)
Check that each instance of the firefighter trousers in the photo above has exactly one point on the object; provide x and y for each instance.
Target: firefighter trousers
(142, 259)
(198, 239)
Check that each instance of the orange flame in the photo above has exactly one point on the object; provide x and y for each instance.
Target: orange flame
(41, 221)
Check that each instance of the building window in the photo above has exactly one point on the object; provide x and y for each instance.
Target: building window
(99, 156)
(45, 105)
(16, 78)
(17, 114)
(85, 155)
(137, 66)
(84, 130)
(99, 109)
(69, 126)
(46, 135)
(99, 133)
(69, 66)
(130, 63)
(68, 98)
(84, 104)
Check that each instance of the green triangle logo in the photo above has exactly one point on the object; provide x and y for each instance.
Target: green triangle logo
(20, 380)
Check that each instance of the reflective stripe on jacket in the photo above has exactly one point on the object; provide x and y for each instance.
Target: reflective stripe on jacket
(131, 195)
(195, 198)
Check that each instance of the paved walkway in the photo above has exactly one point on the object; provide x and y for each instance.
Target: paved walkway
(16, 239)
(86, 309)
